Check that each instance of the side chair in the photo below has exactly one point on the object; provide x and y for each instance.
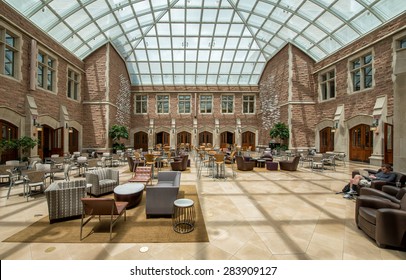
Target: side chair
(102, 206)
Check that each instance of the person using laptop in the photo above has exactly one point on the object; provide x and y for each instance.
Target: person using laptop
(384, 174)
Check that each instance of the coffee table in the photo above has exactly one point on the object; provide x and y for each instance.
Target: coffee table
(129, 192)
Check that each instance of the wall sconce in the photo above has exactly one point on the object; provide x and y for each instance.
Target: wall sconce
(150, 131)
(38, 126)
(173, 131)
(195, 130)
(217, 130)
(374, 125)
(335, 126)
(239, 130)
(70, 130)
(66, 125)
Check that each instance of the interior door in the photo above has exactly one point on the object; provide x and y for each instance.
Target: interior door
(73, 140)
(326, 140)
(388, 143)
(226, 139)
(248, 139)
(141, 140)
(57, 141)
(361, 143)
(184, 137)
(205, 137)
(163, 138)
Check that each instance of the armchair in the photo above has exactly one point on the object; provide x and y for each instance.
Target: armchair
(377, 184)
(160, 198)
(244, 165)
(103, 181)
(289, 165)
(63, 199)
(382, 220)
(180, 164)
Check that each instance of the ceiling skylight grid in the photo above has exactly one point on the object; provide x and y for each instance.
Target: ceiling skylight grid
(205, 42)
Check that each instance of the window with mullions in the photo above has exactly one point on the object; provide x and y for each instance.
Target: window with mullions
(206, 104)
(46, 71)
(248, 104)
(162, 104)
(361, 72)
(402, 43)
(9, 52)
(73, 84)
(227, 104)
(184, 104)
(140, 104)
(327, 85)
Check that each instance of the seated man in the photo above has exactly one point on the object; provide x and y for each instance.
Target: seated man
(384, 174)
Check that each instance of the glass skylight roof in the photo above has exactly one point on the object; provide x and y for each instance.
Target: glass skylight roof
(205, 42)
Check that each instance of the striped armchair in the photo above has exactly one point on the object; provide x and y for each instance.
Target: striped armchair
(63, 200)
(103, 181)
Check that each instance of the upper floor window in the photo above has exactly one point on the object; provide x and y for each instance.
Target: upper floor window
(361, 72)
(73, 84)
(141, 104)
(227, 104)
(9, 52)
(206, 104)
(327, 85)
(162, 104)
(184, 104)
(46, 71)
(248, 104)
(402, 43)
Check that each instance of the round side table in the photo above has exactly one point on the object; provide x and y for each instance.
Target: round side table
(183, 218)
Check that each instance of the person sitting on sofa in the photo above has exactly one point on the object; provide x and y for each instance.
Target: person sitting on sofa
(384, 174)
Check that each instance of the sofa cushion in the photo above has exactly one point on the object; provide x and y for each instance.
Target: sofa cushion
(368, 214)
(107, 182)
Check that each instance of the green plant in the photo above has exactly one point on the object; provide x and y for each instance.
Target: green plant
(117, 132)
(7, 145)
(279, 130)
(26, 143)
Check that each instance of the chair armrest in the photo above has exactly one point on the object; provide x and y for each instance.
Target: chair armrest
(377, 184)
(92, 179)
(375, 202)
(382, 194)
(389, 189)
(114, 175)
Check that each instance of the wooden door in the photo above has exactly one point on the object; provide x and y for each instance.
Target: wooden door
(205, 137)
(57, 141)
(163, 138)
(184, 137)
(326, 140)
(388, 143)
(248, 139)
(73, 140)
(361, 143)
(141, 140)
(226, 139)
(8, 131)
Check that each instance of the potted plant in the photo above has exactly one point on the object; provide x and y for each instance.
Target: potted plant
(280, 132)
(117, 132)
(26, 143)
(6, 145)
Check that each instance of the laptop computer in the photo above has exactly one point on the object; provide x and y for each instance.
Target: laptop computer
(365, 174)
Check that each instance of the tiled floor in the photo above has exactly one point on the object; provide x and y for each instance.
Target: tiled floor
(258, 215)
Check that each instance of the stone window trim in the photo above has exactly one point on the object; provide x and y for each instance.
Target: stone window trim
(200, 104)
(163, 101)
(141, 101)
(362, 67)
(190, 103)
(77, 81)
(233, 103)
(5, 28)
(253, 101)
(54, 68)
(327, 79)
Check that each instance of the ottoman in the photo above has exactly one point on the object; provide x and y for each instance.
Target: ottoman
(270, 165)
(129, 192)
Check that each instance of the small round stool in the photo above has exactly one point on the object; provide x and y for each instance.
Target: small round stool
(130, 192)
(183, 218)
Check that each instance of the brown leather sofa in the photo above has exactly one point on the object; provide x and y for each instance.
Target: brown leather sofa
(382, 219)
(289, 165)
(244, 165)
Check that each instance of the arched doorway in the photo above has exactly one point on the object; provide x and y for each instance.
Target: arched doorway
(141, 140)
(162, 138)
(226, 139)
(248, 139)
(361, 143)
(8, 132)
(205, 137)
(184, 137)
(326, 140)
(50, 141)
(73, 140)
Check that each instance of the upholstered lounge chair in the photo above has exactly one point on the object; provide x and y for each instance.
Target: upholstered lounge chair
(103, 181)
(143, 174)
(180, 164)
(289, 165)
(63, 199)
(382, 220)
(244, 165)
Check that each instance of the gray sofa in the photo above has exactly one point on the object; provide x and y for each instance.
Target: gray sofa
(63, 199)
(103, 181)
(160, 197)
